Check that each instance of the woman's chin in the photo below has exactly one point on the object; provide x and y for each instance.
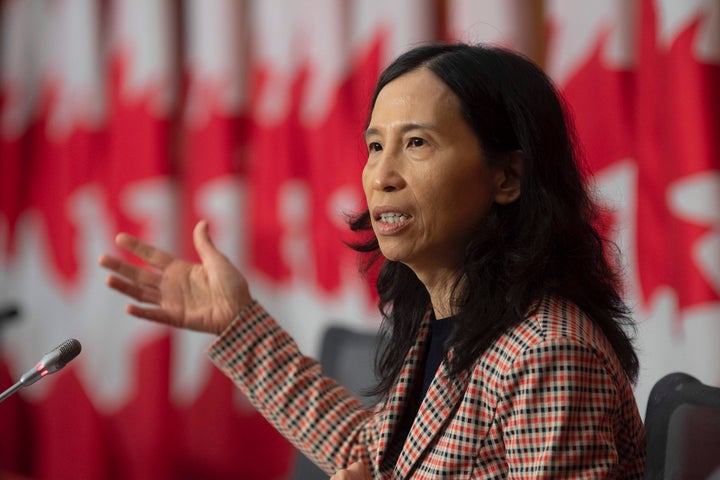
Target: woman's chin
(391, 254)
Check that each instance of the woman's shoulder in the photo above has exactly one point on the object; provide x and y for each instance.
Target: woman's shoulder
(552, 323)
(557, 319)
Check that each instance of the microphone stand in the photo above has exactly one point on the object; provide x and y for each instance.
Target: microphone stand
(8, 313)
(10, 391)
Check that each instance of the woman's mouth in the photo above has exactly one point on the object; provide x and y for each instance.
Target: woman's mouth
(388, 223)
(393, 217)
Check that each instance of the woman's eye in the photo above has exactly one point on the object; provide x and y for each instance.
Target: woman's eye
(374, 147)
(416, 142)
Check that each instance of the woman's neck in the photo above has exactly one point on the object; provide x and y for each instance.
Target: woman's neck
(440, 285)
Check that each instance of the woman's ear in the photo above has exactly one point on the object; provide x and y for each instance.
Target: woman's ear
(507, 187)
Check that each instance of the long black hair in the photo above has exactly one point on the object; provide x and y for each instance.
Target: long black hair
(544, 243)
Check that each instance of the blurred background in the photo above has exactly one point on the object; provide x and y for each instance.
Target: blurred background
(147, 115)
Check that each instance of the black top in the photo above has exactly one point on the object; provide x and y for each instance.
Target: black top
(439, 332)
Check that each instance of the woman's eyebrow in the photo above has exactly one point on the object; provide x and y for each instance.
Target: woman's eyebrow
(370, 131)
(406, 127)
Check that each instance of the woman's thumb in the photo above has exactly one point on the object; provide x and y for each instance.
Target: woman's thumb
(203, 243)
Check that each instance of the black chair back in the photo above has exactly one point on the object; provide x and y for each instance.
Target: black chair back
(682, 423)
(347, 356)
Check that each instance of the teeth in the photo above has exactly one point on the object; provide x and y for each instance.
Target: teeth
(393, 217)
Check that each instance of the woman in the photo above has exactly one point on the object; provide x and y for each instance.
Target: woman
(507, 355)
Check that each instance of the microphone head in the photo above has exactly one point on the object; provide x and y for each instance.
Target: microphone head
(68, 350)
(52, 361)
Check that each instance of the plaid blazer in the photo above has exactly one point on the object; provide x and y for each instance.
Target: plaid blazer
(547, 400)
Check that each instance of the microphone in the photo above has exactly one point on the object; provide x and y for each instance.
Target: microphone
(8, 312)
(51, 362)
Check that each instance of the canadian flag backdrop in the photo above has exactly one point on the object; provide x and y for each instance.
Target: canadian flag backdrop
(147, 115)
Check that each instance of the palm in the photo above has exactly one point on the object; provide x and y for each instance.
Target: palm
(200, 296)
(204, 296)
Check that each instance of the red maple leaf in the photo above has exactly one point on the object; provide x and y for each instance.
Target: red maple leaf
(663, 116)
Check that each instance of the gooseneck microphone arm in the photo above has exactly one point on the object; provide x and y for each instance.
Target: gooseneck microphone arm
(53, 361)
(10, 391)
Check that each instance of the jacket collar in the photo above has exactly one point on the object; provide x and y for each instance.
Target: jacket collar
(441, 399)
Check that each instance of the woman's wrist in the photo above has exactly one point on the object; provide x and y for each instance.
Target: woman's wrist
(241, 311)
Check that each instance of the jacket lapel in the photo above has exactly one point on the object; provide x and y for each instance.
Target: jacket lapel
(395, 404)
(440, 401)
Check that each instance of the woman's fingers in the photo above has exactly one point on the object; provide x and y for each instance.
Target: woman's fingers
(133, 273)
(141, 293)
(356, 471)
(153, 256)
(153, 314)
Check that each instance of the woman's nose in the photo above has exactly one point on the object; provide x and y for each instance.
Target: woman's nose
(387, 174)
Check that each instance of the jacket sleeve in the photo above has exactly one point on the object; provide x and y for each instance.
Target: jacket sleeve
(316, 414)
(560, 411)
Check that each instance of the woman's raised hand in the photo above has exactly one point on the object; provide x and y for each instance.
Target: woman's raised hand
(204, 297)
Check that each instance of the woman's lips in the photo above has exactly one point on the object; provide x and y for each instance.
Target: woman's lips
(388, 221)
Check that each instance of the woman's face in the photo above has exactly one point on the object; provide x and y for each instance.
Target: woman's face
(426, 182)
